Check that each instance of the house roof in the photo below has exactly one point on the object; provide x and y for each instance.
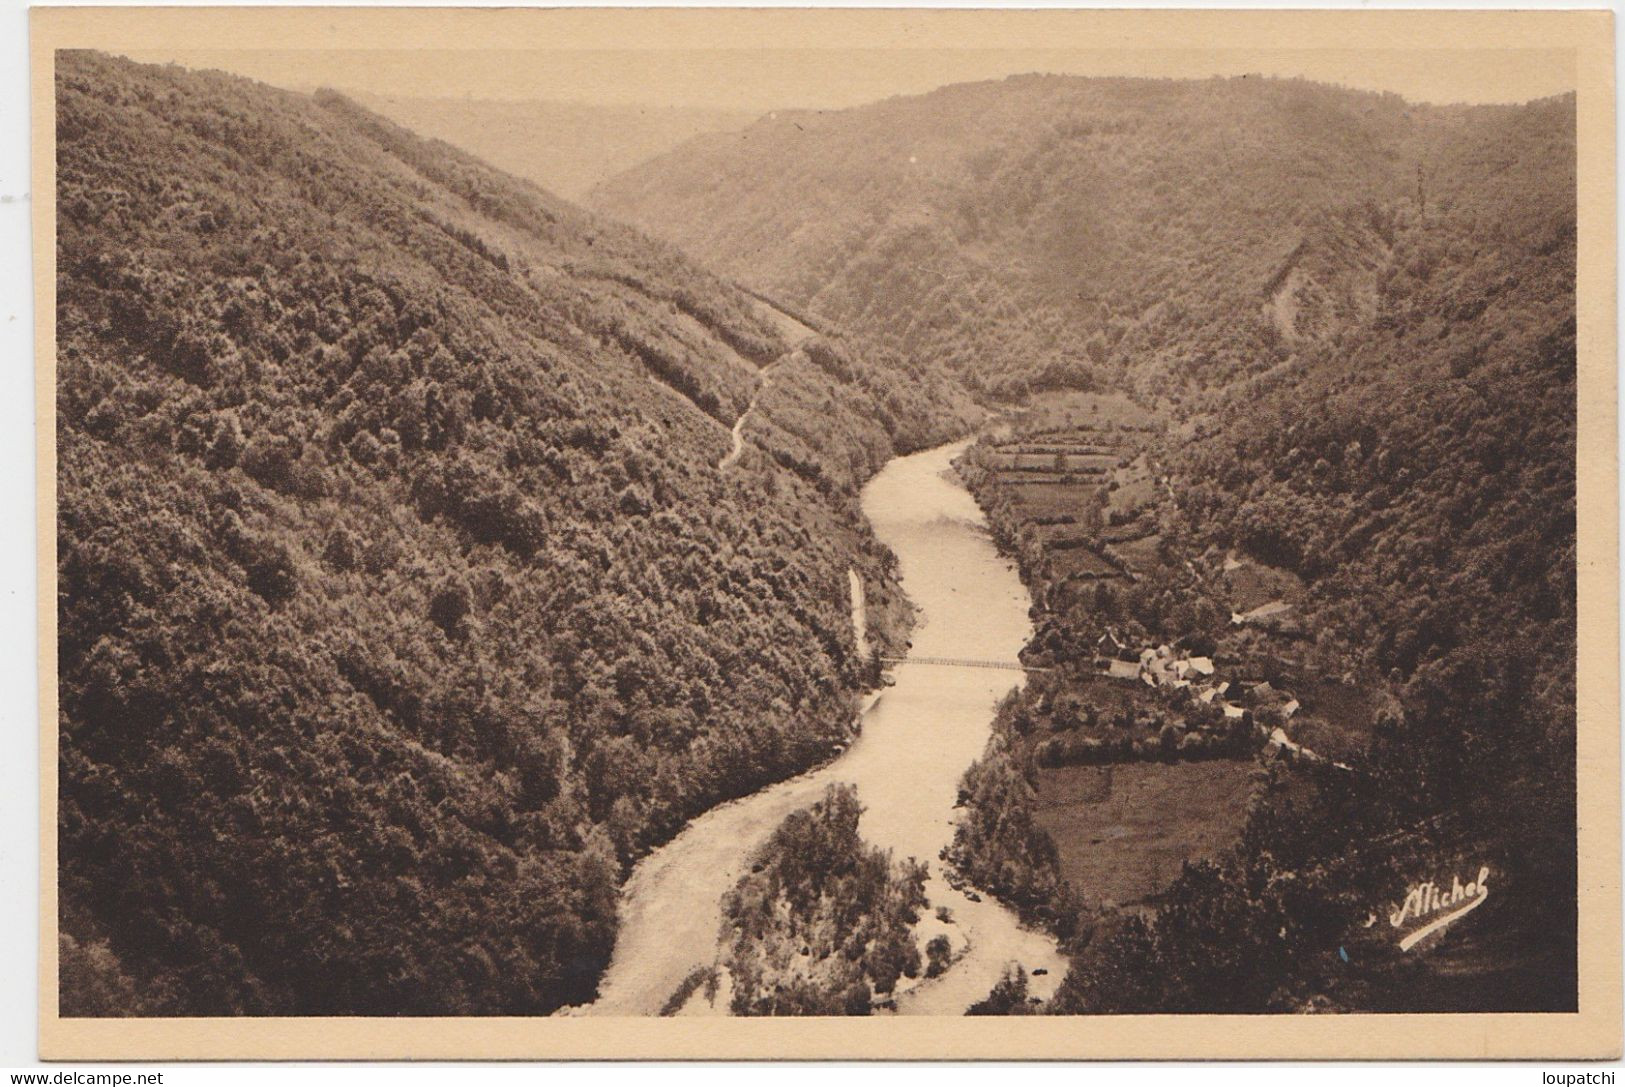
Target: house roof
(1122, 669)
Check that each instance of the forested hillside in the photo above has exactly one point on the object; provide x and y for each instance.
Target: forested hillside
(429, 548)
(1396, 499)
(1421, 481)
(406, 588)
(1040, 231)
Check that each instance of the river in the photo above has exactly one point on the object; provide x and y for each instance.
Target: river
(916, 742)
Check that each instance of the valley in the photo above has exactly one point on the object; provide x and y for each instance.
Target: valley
(1261, 346)
(1049, 545)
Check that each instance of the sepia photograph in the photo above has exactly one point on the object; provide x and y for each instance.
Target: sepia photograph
(870, 520)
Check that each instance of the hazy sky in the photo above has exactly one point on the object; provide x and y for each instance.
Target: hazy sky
(765, 79)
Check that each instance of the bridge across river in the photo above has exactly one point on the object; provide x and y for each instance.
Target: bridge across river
(959, 662)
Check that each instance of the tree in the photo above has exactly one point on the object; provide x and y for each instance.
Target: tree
(449, 606)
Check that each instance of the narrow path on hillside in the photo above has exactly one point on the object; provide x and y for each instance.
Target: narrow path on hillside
(739, 423)
(795, 333)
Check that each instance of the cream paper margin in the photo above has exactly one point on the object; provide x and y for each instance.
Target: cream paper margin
(1594, 1032)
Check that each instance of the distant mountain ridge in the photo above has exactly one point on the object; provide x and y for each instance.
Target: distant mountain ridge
(1046, 230)
(566, 147)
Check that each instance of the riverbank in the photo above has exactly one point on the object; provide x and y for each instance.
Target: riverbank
(906, 763)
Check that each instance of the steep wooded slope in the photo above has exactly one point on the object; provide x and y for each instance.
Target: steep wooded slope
(401, 599)
(1421, 479)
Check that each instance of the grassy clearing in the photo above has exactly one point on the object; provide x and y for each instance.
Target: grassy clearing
(1253, 584)
(1134, 491)
(1063, 535)
(1079, 413)
(1080, 560)
(1124, 831)
(1141, 554)
(1058, 458)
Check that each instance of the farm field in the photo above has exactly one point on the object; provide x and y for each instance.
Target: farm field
(1046, 499)
(1135, 489)
(1062, 458)
(1124, 831)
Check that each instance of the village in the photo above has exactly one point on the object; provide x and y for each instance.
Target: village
(1162, 680)
(1084, 507)
(1251, 702)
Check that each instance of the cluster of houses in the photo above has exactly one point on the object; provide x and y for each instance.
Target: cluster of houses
(1168, 668)
(1164, 667)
